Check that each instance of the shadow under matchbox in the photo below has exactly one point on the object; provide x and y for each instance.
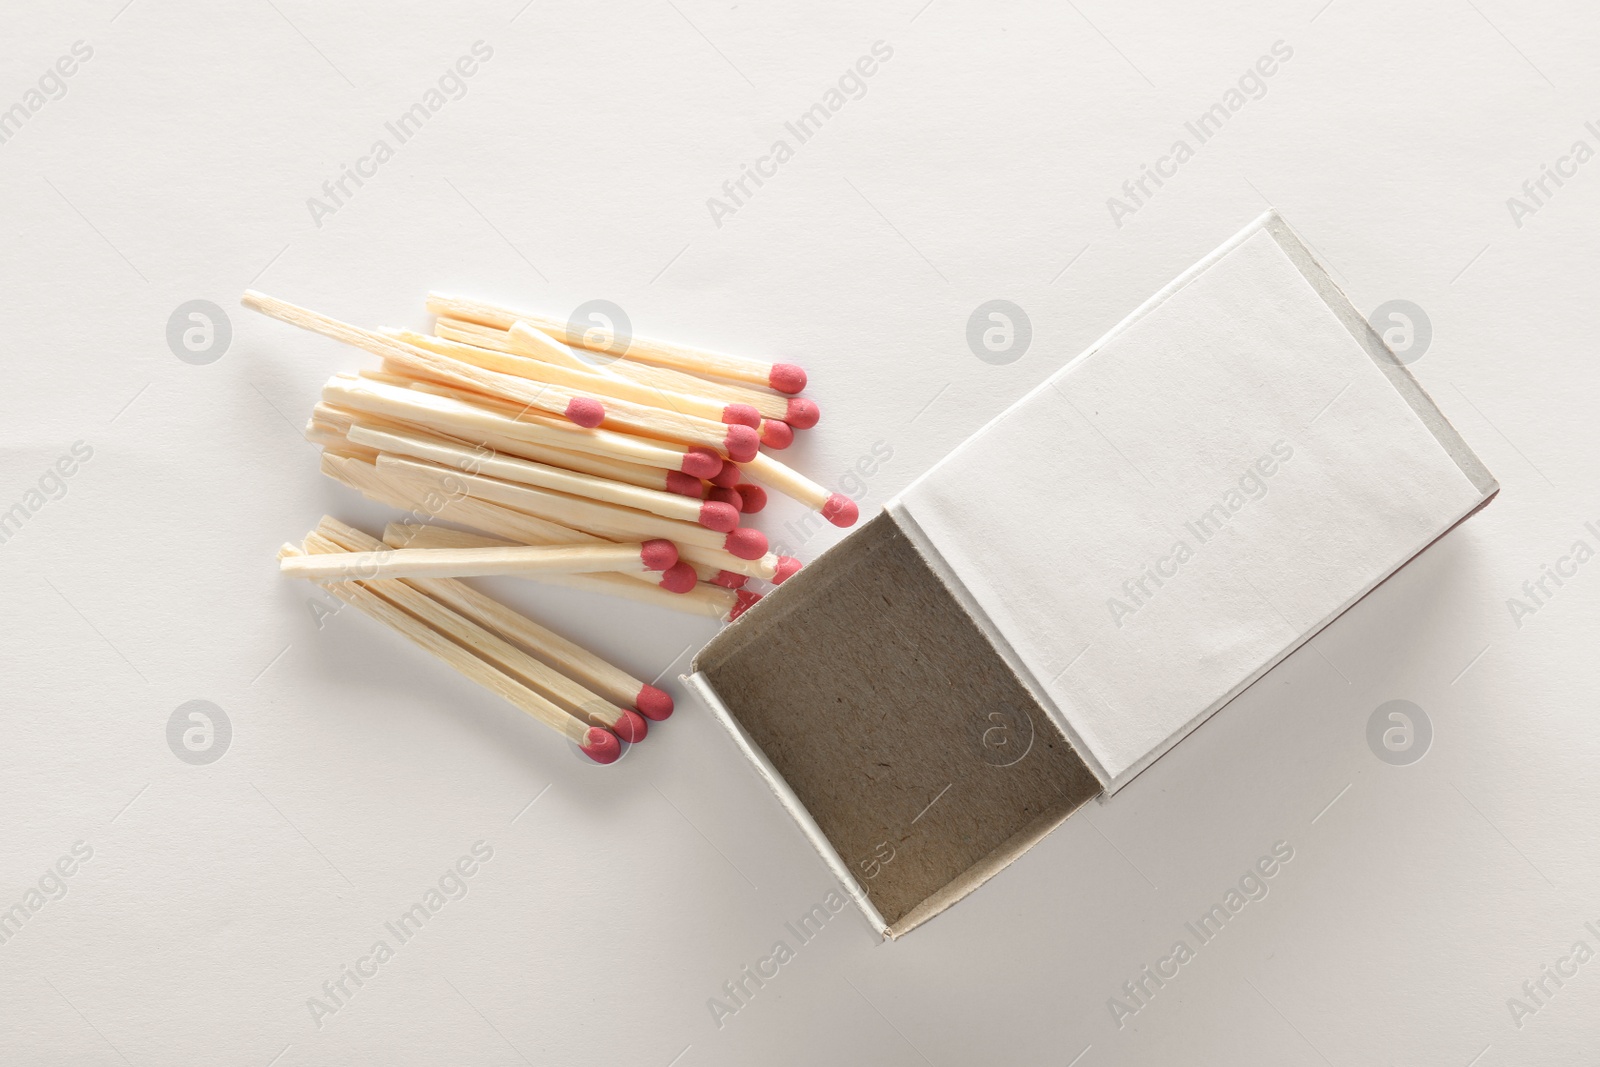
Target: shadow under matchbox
(1210, 484)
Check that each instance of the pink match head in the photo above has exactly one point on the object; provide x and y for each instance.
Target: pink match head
(741, 415)
(743, 601)
(730, 580)
(726, 496)
(719, 515)
(775, 433)
(754, 497)
(658, 554)
(653, 703)
(685, 484)
(678, 578)
(841, 510)
(601, 745)
(746, 543)
(802, 414)
(701, 463)
(787, 565)
(586, 411)
(787, 378)
(631, 727)
(742, 443)
(726, 475)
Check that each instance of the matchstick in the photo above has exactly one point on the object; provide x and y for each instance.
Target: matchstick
(539, 347)
(584, 411)
(596, 742)
(542, 677)
(779, 416)
(444, 498)
(720, 401)
(835, 507)
(716, 575)
(784, 377)
(703, 599)
(615, 470)
(799, 412)
(652, 478)
(718, 516)
(521, 560)
(452, 413)
(485, 644)
(584, 514)
(329, 435)
(569, 514)
(775, 434)
(753, 496)
(473, 333)
(573, 660)
(517, 378)
(586, 669)
(436, 500)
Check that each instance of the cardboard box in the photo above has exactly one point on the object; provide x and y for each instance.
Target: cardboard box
(1084, 581)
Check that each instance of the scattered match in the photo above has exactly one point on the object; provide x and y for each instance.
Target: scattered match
(622, 466)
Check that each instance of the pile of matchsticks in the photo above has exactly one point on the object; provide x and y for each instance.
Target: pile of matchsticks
(567, 688)
(570, 462)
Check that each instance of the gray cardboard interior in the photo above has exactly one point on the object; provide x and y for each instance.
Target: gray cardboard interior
(884, 708)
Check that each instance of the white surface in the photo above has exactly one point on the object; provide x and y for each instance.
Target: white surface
(977, 166)
(1174, 511)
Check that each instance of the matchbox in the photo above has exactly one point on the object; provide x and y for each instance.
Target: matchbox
(1210, 484)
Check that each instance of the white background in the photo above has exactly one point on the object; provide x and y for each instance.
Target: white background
(977, 166)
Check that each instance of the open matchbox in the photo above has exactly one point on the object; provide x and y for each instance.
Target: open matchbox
(1089, 577)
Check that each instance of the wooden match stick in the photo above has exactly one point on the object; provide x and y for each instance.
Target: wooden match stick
(703, 599)
(713, 515)
(511, 527)
(584, 514)
(654, 478)
(541, 348)
(752, 497)
(596, 742)
(454, 413)
(796, 411)
(521, 560)
(576, 662)
(474, 333)
(714, 565)
(617, 524)
(653, 416)
(835, 507)
(439, 537)
(443, 495)
(440, 495)
(446, 498)
(800, 412)
(542, 677)
(689, 395)
(584, 667)
(784, 377)
(333, 424)
(626, 444)
(532, 354)
(582, 410)
(330, 435)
